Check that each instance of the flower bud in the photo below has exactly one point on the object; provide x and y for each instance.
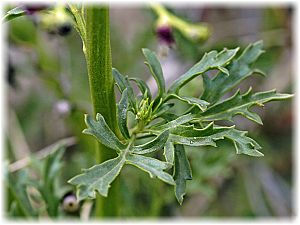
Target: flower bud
(64, 29)
(70, 203)
(32, 9)
(165, 35)
(57, 22)
(63, 107)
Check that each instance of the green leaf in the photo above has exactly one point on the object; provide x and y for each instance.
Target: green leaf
(244, 144)
(240, 104)
(18, 188)
(168, 116)
(154, 167)
(201, 104)
(143, 87)
(47, 185)
(155, 69)
(122, 107)
(152, 146)
(169, 152)
(123, 83)
(119, 79)
(182, 172)
(99, 129)
(239, 69)
(162, 110)
(53, 164)
(97, 178)
(14, 13)
(188, 135)
(174, 123)
(211, 60)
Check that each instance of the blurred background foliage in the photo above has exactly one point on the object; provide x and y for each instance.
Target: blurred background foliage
(47, 95)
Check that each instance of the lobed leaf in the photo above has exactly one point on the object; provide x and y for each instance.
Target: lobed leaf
(240, 104)
(122, 107)
(154, 167)
(201, 104)
(152, 146)
(156, 70)
(99, 129)
(239, 69)
(211, 60)
(188, 135)
(182, 172)
(243, 144)
(97, 178)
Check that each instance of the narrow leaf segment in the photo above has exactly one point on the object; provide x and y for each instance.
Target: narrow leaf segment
(102, 132)
(182, 172)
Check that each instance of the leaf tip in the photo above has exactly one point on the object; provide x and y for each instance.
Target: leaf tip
(145, 51)
(85, 131)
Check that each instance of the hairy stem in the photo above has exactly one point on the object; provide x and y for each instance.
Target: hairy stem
(98, 57)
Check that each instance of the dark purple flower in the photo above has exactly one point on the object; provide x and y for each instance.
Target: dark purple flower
(165, 35)
(32, 9)
(64, 29)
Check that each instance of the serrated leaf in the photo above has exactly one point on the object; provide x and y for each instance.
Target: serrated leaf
(14, 13)
(143, 87)
(201, 104)
(155, 69)
(239, 69)
(122, 107)
(97, 178)
(182, 172)
(152, 146)
(99, 129)
(188, 135)
(169, 152)
(154, 167)
(240, 104)
(244, 144)
(211, 60)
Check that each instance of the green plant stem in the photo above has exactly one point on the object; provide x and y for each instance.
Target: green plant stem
(98, 57)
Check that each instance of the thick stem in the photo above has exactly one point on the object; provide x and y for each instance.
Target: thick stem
(98, 57)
